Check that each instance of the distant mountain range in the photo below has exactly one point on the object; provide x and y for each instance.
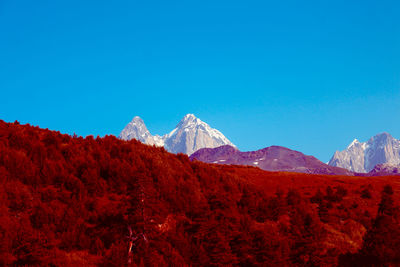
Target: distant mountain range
(363, 157)
(190, 135)
(273, 158)
(380, 155)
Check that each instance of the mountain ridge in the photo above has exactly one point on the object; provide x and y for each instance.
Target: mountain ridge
(273, 158)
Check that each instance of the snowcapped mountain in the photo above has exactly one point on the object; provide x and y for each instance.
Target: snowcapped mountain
(136, 129)
(363, 157)
(273, 158)
(188, 136)
(191, 134)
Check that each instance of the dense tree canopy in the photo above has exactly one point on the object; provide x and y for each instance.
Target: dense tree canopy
(73, 201)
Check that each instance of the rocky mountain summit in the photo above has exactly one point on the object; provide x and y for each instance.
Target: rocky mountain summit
(190, 135)
(363, 157)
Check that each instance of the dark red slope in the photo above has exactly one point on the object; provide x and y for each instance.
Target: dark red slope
(273, 158)
(71, 201)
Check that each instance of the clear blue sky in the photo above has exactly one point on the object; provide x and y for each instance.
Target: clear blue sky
(308, 75)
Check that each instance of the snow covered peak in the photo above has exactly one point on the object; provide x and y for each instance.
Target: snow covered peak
(192, 134)
(137, 119)
(384, 134)
(136, 129)
(354, 143)
(189, 120)
(189, 135)
(381, 138)
(138, 123)
(189, 117)
(363, 157)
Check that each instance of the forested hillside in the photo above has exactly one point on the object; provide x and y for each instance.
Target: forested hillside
(73, 201)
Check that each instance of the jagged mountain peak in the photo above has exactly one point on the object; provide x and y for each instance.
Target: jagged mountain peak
(189, 117)
(189, 120)
(192, 134)
(136, 129)
(363, 157)
(354, 143)
(189, 135)
(137, 119)
(381, 138)
(384, 134)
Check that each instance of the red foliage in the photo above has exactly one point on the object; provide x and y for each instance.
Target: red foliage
(71, 201)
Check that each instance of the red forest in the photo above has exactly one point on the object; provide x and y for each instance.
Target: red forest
(73, 201)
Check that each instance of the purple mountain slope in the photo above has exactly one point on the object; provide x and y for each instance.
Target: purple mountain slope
(273, 158)
(384, 170)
